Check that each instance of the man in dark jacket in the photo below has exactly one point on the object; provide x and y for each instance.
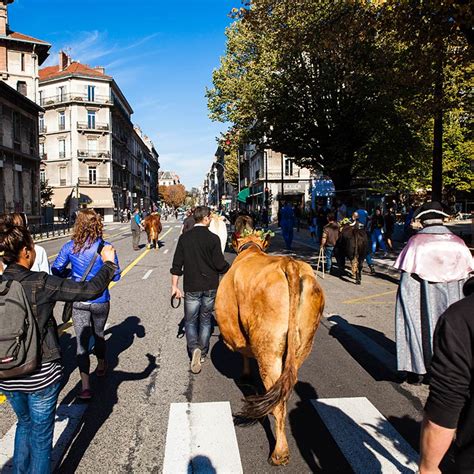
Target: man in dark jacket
(449, 411)
(329, 239)
(199, 258)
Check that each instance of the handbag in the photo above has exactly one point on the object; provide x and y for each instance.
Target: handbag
(67, 310)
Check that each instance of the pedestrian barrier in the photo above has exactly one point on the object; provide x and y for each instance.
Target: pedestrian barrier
(45, 231)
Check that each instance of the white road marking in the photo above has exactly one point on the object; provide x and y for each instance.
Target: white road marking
(201, 438)
(166, 251)
(147, 274)
(68, 418)
(177, 227)
(368, 441)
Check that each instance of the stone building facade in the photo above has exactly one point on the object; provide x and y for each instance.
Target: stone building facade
(19, 154)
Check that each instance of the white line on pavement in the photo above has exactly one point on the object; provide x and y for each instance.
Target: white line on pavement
(368, 441)
(193, 446)
(166, 251)
(147, 274)
(68, 418)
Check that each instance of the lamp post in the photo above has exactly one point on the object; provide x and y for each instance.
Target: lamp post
(217, 180)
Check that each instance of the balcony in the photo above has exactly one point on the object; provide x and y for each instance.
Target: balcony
(61, 126)
(94, 182)
(89, 126)
(62, 155)
(94, 154)
(43, 129)
(75, 97)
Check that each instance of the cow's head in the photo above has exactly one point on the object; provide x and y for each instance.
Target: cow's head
(258, 238)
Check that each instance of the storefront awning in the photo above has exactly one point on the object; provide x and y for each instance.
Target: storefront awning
(243, 195)
(59, 197)
(96, 197)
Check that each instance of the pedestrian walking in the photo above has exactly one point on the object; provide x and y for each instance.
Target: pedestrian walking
(329, 239)
(136, 227)
(341, 211)
(88, 317)
(189, 222)
(41, 263)
(434, 265)
(199, 258)
(34, 395)
(287, 222)
(389, 219)
(377, 224)
(449, 410)
(361, 216)
(321, 220)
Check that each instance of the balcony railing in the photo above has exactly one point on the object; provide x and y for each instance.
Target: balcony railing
(101, 127)
(75, 97)
(94, 182)
(62, 182)
(44, 156)
(43, 129)
(61, 126)
(62, 154)
(102, 154)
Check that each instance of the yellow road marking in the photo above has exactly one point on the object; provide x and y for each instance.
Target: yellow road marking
(365, 298)
(52, 256)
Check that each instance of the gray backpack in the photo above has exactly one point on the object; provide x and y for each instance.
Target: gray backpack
(19, 333)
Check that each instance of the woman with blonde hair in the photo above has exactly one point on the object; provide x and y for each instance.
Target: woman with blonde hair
(88, 317)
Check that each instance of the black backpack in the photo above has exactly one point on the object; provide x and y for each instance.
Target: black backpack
(19, 334)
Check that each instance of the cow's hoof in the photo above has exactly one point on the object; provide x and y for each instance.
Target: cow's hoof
(275, 460)
(358, 282)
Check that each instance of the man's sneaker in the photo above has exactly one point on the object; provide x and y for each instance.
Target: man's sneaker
(196, 361)
(203, 358)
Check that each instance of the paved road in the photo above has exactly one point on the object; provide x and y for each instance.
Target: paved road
(348, 412)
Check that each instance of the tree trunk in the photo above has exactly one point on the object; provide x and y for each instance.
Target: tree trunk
(437, 175)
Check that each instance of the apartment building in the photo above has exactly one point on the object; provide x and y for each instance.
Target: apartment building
(19, 156)
(167, 178)
(20, 57)
(91, 153)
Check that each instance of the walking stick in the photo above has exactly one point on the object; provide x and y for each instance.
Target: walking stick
(321, 260)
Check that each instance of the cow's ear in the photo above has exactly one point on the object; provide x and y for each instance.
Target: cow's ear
(234, 242)
(266, 241)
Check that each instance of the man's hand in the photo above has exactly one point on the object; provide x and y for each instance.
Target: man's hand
(176, 292)
(108, 253)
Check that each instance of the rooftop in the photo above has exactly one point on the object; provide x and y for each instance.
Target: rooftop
(75, 68)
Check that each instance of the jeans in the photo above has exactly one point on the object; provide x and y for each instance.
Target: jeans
(328, 250)
(198, 308)
(377, 236)
(34, 432)
(287, 232)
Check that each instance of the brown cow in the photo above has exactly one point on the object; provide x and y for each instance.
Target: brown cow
(153, 227)
(268, 308)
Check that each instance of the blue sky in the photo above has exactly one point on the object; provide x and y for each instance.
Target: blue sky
(161, 54)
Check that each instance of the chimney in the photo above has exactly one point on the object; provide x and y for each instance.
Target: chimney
(4, 16)
(64, 60)
(100, 69)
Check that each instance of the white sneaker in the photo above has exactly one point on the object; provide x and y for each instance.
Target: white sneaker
(196, 361)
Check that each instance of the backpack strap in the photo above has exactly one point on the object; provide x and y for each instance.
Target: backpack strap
(7, 288)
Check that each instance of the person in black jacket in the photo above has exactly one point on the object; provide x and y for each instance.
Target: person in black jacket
(449, 410)
(33, 397)
(199, 258)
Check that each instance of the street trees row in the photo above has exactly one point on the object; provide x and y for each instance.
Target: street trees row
(355, 89)
(173, 196)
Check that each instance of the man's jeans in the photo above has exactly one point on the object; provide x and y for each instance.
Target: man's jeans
(377, 236)
(34, 432)
(198, 308)
(328, 250)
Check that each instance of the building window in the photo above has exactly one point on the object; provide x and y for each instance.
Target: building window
(91, 93)
(61, 94)
(41, 151)
(92, 175)
(21, 88)
(40, 95)
(92, 147)
(41, 124)
(90, 119)
(22, 61)
(43, 176)
(288, 166)
(62, 148)
(61, 120)
(62, 176)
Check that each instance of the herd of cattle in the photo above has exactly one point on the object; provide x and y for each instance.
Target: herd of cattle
(267, 308)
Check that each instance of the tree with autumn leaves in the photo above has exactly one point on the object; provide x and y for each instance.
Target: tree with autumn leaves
(173, 196)
(378, 90)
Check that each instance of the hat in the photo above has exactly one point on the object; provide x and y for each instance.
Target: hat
(430, 211)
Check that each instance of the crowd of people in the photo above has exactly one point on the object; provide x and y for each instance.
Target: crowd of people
(434, 316)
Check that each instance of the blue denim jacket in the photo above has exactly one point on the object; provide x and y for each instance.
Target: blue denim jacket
(79, 263)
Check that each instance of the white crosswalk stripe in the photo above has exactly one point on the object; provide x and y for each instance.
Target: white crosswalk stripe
(368, 441)
(192, 447)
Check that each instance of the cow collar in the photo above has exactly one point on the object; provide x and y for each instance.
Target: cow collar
(247, 245)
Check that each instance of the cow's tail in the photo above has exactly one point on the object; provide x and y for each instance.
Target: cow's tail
(258, 406)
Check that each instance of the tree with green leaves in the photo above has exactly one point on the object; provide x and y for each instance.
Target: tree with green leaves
(46, 193)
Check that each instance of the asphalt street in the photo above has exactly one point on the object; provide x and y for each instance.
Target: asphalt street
(348, 385)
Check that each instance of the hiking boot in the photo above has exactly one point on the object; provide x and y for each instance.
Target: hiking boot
(196, 361)
(372, 269)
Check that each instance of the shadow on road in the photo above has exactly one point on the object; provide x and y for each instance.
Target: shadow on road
(105, 392)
